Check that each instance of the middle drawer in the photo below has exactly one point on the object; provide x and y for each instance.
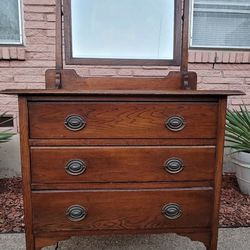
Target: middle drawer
(121, 164)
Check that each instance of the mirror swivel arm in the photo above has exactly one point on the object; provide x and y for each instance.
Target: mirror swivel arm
(59, 50)
(58, 80)
(185, 81)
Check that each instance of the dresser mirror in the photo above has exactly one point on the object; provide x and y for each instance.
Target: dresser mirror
(122, 32)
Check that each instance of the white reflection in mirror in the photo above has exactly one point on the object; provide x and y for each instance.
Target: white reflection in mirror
(123, 29)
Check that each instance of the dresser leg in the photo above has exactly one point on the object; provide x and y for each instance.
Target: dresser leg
(30, 242)
(214, 241)
(212, 247)
(43, 241)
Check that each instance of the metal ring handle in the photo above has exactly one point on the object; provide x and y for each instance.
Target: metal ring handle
(75, 167)
(76, 213)
(175, 123)
(172, 211)
(173, 165)
(75, 122)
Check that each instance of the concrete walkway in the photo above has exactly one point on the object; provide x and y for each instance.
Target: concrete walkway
(229, 239)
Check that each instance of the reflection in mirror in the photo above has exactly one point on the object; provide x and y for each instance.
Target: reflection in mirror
(127, 29)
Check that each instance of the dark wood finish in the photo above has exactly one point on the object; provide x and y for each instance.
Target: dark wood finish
(218, 172)
(200, 234)
(118, 169)
(59, 53)
(41, 242)
(120, 209)
(116, 95)
(185, 36)
(185, 42)
(134, 120)
(26, 175)
(121, 164)
(88, 61)
(59, 49)
(72, 81)
(123, 142)
(120, 185)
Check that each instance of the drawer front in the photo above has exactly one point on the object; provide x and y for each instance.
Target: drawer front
(122, 120)
(121, 164)
(121, 209)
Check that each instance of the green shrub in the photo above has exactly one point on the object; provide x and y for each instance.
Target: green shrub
(238, 129)
(5, 135)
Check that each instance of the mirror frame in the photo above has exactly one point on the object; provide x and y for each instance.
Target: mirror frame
(176, 61)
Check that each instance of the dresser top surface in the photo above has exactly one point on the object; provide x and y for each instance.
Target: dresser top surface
(63, 92)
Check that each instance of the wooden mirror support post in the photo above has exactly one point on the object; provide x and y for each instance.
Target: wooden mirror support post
(121, 155)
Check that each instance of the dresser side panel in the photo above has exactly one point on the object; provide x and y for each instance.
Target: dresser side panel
(218, 171)
(26, 174)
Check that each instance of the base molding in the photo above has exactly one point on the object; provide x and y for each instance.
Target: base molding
(45, 239)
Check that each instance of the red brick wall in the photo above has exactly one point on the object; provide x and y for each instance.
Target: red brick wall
(24, 66)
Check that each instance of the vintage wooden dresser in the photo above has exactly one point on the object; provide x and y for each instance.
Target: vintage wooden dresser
(97, 162)
(121, 155)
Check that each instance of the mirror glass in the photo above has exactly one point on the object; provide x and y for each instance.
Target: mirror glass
(123, 29)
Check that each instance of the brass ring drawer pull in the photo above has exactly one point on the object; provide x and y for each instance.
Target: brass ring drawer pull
(173, 165)
(75, 167)
(172, 211)
(76, 213)
(175, 123)
(75, 122)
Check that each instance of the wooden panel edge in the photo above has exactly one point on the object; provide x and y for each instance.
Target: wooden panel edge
(25, 162)
(218, 171)
(72, 81)
(45, 239)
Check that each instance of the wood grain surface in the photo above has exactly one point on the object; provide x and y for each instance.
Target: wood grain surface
(121, 209)
(121, 164)
(122, 120)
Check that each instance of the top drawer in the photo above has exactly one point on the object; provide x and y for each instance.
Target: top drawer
(122, 120)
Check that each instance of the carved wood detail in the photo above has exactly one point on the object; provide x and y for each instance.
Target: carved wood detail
(70, 80)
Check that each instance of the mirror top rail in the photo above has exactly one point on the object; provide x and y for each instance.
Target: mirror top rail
(131, 32)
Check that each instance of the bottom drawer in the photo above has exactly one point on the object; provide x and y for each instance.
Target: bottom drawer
(121, 209)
